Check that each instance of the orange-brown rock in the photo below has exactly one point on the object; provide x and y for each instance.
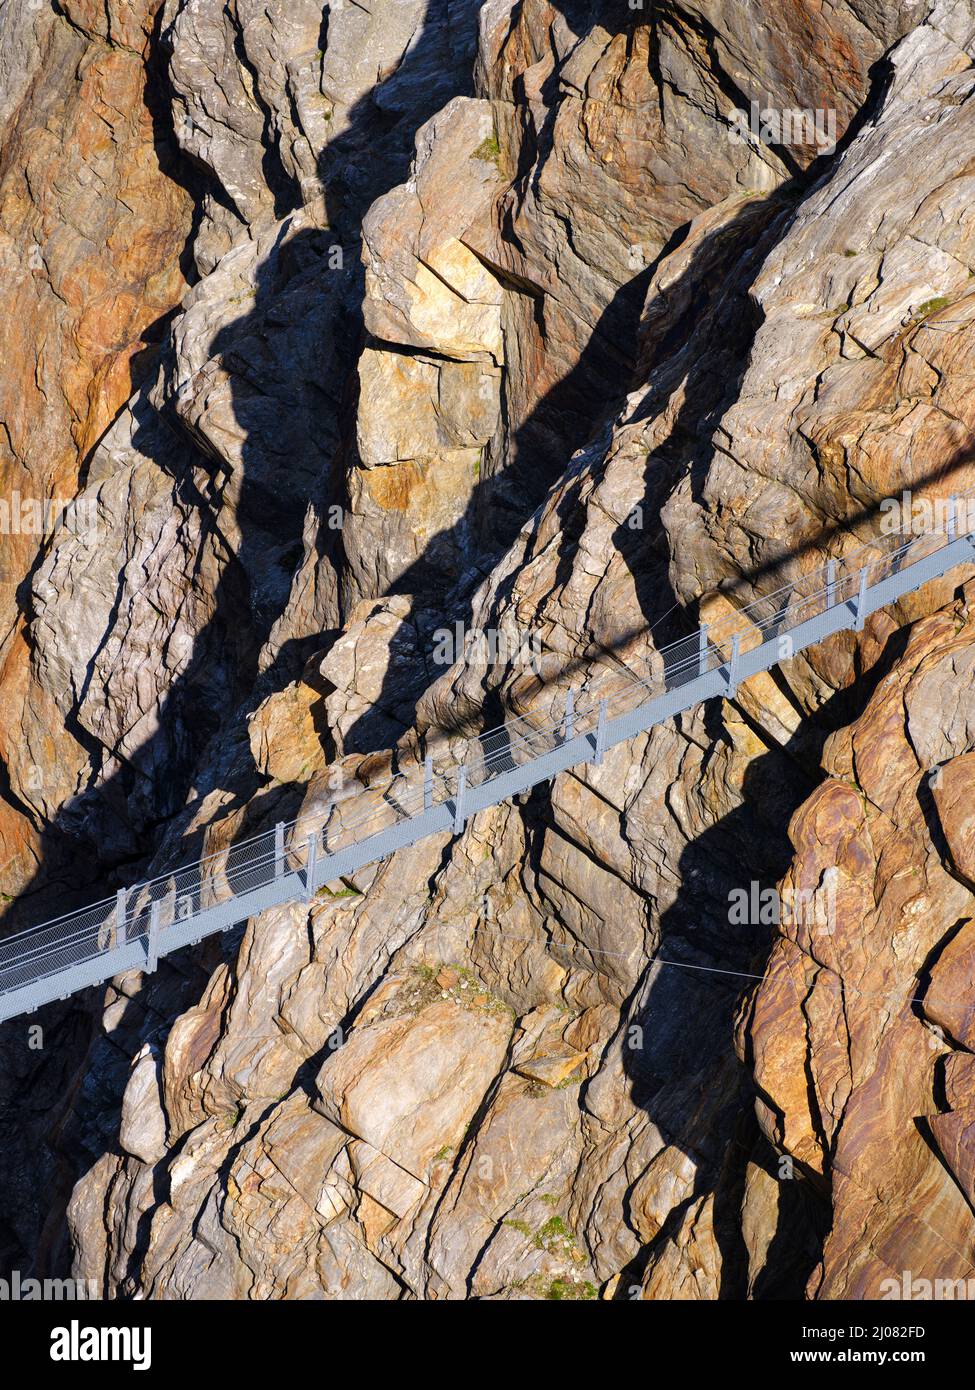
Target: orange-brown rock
(953, 788)
(857, 1036)
(92, 227)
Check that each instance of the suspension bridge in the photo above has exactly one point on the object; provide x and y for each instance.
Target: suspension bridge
(567, 727)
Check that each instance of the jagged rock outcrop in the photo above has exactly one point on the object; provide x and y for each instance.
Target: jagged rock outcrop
(596, 360)
(92, 228)
(871, 282)
(859, 1037)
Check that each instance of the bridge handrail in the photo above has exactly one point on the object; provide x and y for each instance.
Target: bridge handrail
(404, 793)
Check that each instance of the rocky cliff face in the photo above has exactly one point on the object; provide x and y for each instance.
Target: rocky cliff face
(349, 327)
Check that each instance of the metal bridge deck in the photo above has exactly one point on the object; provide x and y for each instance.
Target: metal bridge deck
(132, 929)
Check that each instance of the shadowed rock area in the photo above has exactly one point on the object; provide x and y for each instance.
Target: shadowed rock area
(352, 328)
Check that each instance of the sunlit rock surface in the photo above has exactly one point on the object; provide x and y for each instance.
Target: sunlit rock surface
(439, 320)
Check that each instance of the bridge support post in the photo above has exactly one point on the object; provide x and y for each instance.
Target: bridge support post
(120, 917)
(279, 849)
(461, 797)
(428, 782)
(733, 665)
(568, 727)
(702, 649)
(310, 864)
(600, 734)
(951, 522)
(153, 950)
(861, 602)
(830, 583)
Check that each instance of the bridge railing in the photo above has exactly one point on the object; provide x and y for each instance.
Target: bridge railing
(146, 912)
(808, 596)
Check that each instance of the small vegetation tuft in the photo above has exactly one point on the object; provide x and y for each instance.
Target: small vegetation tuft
(931, 306)
(521, 1226)
(554, 1232)
(562, 1290)
(348, 890)
(488, 150)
